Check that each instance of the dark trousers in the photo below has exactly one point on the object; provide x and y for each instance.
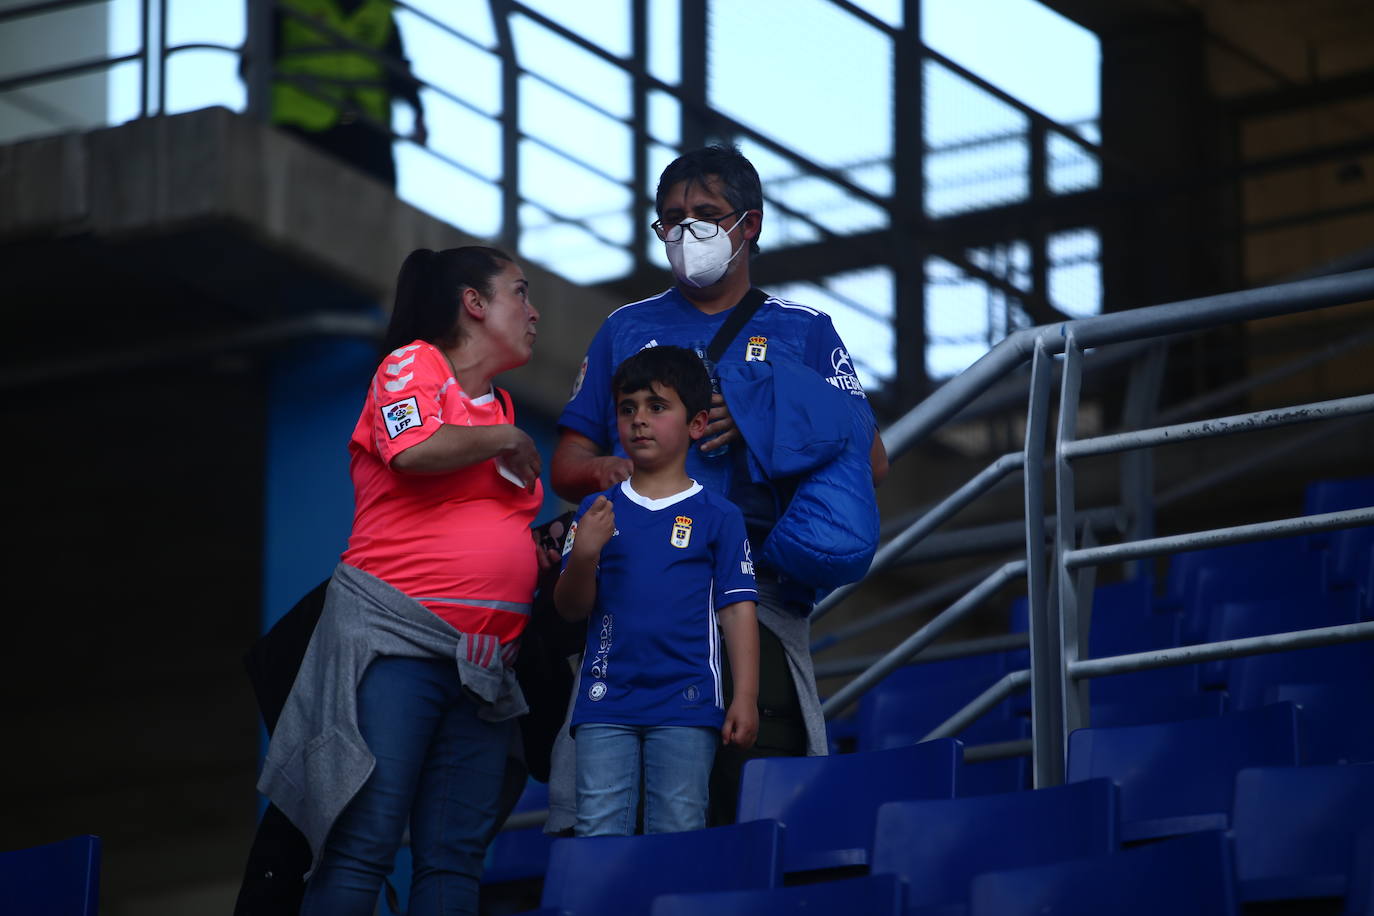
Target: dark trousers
(781, 730)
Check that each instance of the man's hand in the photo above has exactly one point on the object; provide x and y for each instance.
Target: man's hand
(611, 470)
(721, 430)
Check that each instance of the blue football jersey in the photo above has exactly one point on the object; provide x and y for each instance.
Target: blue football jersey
(653, 646)
(778, 330)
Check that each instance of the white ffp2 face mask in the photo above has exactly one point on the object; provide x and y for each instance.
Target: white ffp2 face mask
(701, 262)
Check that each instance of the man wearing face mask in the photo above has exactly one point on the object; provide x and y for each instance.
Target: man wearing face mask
(710, 212)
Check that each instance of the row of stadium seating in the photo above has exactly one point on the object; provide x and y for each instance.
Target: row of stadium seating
(1215, 787)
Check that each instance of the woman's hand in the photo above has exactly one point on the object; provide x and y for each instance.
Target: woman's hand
(721, 430)
(521, 458)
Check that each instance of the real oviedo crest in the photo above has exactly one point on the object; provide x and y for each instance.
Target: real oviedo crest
(757, 350)
(682, 532)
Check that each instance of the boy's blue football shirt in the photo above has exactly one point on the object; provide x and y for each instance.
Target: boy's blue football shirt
(653, 646)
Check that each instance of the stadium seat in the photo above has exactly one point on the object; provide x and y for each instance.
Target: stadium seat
(914, 699)
(1200, 580)
(1184, 876)
(1262, 617)
(828, 804)
(1248, 678)
(57, 879)
(872, 895)
(1337, 719)
(1322, 496)
(1359, 890)
(1139, 633)
(898, 718)
(515, 855)
(937, 846)
(1295, 828)
(590, 876)
(1148, 709)
(1178, 777)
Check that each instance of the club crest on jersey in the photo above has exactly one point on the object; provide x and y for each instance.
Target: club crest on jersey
(401, 416)
(682, 532)
(757, 351)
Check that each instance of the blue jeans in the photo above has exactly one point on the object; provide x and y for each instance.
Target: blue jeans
(675, 761)
(439, 767)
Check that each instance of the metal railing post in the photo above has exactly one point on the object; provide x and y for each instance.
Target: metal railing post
(1138, 467)
(1047, 731)
(1074, 696)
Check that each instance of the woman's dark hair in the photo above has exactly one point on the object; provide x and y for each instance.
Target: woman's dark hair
(672, 367)
(738, 178)
(428, 289)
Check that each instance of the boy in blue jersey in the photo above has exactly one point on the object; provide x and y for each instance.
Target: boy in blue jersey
(657, 561)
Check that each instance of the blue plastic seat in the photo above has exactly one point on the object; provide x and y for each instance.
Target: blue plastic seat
(515, 855)
(1322, 496)
(1337, 719)
(590, 876)
(914, 699)
(828, 804)
(1185, 876)
(1295, 828)
(1346, 663)
(937, 846)
(1359, 890)
(1200, 580)
(981, 777)
(57, 879)
(1264, 616)
(1178, 777)
(1139, 633)
(1148, 709)
(872, 895)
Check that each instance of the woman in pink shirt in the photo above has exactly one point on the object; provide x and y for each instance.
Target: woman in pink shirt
(404, 709)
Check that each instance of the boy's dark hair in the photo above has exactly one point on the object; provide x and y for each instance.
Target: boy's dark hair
(672, 367)
(739, 179)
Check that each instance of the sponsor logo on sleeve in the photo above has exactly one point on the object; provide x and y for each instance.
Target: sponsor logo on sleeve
(400, 416)
(843, 367)
(757, 350)
(577, 382)
(682, 532)
(746, 565)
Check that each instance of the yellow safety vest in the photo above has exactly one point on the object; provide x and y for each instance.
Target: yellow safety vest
(333, 81)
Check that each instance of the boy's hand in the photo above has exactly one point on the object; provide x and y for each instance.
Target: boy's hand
(594, 529)
(741, 726)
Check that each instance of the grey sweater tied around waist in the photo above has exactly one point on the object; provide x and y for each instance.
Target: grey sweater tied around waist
(317, 759)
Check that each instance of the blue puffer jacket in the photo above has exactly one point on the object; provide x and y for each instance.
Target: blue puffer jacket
(798, 426)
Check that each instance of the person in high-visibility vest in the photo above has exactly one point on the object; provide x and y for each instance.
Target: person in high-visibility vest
(333, 85)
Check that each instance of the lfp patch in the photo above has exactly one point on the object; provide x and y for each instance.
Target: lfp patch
(401, 416)
(757, 350)
(568, 541)
(682, 532)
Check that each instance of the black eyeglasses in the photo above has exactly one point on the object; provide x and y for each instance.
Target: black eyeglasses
(700, 228)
